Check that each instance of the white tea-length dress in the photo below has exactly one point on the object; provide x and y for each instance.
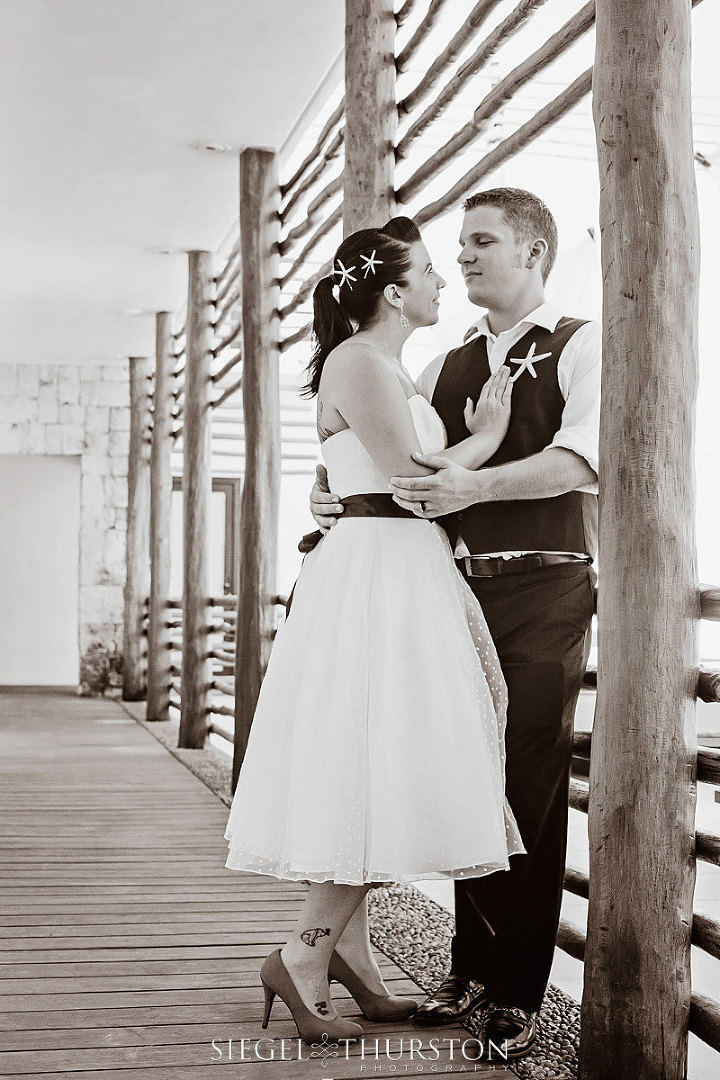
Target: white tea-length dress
(376, 753)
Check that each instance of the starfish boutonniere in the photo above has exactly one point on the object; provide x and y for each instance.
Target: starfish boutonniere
(526, 363)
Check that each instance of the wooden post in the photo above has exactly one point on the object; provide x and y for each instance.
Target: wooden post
(636, 996)
(137, 578)
(259, 231)
(158, 685)
(196, 504)
(370, 114)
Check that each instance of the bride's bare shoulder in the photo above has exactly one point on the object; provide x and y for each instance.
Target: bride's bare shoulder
(349, 349)
(354, 360)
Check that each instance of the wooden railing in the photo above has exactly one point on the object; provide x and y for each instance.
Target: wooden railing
(704, 1011)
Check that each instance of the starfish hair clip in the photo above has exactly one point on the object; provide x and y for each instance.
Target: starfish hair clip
(370, 263)
(346, 275)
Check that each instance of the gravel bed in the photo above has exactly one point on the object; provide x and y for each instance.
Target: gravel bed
(410, 928)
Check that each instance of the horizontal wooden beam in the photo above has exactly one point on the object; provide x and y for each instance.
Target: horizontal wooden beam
(299, 335)
(306, 288)
(579, 796)
(231, 264)
(570, 939)
(227, 285)
(577, 882)
(553, 48)
(423, 29)
(335, 187)
(707, 848)
(233, 333)
(227, 367)
(404, 13)
(224, 686)
(704, 1019)
(222, 312)
(330, 154)
(524, 136)
(333, 120)
(445, 59)
(321, 231)
(706, 934)
(227, 392)
(708, 688)
(216, 729)
(710, 602)
(708, 757)
(487, 48)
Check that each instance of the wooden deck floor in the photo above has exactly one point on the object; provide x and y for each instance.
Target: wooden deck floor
(126, 946)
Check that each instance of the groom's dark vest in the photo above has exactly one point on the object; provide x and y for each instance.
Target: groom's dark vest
(564, 523)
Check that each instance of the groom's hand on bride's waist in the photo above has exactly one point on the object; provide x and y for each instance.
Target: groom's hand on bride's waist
(449, 489)
(324, 506)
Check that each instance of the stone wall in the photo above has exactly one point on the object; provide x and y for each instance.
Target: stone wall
(81, 410)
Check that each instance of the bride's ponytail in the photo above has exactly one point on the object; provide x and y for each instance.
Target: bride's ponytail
(366, 262)
(330, 326)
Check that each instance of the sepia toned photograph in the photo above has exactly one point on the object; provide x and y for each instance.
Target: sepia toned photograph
(360, 544)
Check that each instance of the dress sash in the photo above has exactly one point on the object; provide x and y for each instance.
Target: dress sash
(369, 504)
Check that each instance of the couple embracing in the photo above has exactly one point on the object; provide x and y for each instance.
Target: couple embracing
(416, 717)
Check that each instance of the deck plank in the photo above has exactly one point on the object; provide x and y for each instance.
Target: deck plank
(126, 946)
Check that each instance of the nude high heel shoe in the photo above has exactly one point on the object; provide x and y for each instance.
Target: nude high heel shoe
(377, 1007)
(276, 980)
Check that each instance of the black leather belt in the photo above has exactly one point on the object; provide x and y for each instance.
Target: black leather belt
(488, 566)
(369, 504)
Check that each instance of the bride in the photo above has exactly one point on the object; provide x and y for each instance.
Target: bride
(377, 749)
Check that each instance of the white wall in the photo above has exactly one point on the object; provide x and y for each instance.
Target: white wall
(82, 411)
(39, 569)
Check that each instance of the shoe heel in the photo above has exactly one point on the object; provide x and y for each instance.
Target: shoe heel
(276, 981)
(269, 999)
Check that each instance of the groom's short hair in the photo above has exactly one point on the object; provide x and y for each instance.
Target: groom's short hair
(526, 214)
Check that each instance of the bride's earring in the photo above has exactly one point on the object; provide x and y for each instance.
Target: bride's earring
(404, 321)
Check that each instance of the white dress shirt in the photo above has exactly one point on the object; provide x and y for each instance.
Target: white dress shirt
(578, 373)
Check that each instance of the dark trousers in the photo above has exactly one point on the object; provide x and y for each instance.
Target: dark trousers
(506, 922)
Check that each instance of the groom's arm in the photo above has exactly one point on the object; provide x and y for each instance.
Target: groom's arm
(554, 471)
(542, 476)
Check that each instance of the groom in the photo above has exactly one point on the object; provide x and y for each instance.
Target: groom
(524, 531)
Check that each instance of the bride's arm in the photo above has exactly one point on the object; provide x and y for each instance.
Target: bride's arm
(370, 399)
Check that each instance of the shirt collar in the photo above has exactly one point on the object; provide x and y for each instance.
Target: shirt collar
(547, 315)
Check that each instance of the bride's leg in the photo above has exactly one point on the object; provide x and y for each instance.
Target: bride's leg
(325, 914)
(355, 949)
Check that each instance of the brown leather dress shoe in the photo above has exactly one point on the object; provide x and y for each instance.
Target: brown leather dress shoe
(453, 1000)
(512, 1032)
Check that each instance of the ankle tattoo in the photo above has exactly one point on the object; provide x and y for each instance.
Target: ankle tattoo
(322, 1008)
(311, 936)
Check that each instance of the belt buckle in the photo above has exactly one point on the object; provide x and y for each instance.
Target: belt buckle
(473, 560)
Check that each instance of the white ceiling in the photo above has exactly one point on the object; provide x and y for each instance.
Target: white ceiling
(101, 105)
